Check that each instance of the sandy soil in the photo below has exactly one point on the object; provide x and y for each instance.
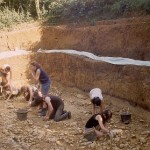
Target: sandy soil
(38, 134)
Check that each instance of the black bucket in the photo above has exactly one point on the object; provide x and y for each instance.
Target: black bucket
(22, 114)
(126, 117)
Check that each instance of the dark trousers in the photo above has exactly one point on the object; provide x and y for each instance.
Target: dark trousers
(60, 114)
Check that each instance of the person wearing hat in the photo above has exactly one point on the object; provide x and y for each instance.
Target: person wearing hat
(96, 99)
(96, 125)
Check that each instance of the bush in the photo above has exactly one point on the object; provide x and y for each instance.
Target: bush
(16, 11)
(76, 10)
(121, 7)
(9, 17)
(146, 5)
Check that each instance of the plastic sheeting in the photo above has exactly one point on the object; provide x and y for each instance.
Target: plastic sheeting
(111, 60)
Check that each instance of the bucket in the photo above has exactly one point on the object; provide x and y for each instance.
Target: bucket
(22, 114)
(126, 117)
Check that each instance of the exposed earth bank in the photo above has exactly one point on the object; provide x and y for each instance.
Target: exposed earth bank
(122, 38)
(68, 72)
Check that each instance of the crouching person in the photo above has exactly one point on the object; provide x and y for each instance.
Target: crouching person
(10, 92)
(32, 95)
(6, 84)
(55, 109)
(96, 100)
(14, 92)
(96, 125)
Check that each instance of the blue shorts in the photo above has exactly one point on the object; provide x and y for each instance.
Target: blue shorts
(45, 88)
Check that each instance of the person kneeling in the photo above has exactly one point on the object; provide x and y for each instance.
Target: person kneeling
(55, 109)
(96, 125)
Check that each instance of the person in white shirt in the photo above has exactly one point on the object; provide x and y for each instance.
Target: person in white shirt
(96, 99)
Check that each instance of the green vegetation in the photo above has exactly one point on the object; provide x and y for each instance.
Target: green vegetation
(13, 12)
(9, 17)
(122, 7)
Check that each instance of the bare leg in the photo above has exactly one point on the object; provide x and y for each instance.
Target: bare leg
(98, 133)
(102, 106)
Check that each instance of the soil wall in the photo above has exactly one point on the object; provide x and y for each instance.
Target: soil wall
(20, 69)
(127, 82)
(123, 38)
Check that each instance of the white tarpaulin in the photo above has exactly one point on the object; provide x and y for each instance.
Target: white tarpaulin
(111, 60)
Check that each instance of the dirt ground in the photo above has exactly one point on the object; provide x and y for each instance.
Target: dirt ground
(36, 134)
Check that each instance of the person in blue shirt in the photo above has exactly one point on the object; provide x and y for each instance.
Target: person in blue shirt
(43, 78)
(40, 75)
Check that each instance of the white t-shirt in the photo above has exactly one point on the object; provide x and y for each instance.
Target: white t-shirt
(96, 92)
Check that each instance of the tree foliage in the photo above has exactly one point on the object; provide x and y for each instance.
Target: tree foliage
(75, 10)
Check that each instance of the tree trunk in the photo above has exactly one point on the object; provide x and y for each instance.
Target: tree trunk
(37, 5)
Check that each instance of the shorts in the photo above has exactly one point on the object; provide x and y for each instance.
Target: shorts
(96, 101)
(45, 88)
(90, 134)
